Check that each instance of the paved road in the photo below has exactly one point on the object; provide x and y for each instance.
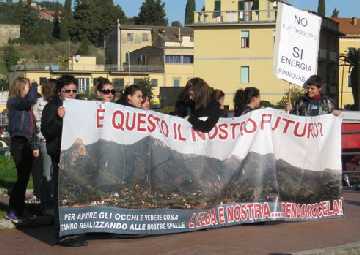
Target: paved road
(274, 239)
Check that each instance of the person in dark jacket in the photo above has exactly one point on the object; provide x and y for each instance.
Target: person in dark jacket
(24, 142)
(132, 96)
(313, 103)
(219, 96)
(246, 100)
(195, 104)
(51, 128)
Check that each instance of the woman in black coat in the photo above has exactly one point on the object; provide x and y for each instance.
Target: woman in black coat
(196, 105)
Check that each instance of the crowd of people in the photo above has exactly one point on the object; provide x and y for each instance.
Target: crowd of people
(35, 126)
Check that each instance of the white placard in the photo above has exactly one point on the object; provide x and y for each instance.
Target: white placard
(297, 44)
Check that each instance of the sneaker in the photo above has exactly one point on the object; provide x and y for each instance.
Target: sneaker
(11, 216)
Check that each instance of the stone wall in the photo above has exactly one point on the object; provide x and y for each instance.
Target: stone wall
(8, 32)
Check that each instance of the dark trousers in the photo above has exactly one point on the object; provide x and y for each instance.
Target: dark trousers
(21, 152)
(55, 163)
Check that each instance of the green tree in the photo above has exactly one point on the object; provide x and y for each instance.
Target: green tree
(176, 24)
(189, 11)
(321, 8)
(95, 18)
(152, 12)
(84, 48)
(67, 21)
(56, 32)
(11, 57)
(353, 58)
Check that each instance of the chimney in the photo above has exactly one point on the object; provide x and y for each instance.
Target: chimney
(353, 21)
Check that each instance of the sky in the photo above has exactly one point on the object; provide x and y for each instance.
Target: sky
(175, 9)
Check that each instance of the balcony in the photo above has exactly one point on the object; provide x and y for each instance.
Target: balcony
(88, 68)
(234, 17)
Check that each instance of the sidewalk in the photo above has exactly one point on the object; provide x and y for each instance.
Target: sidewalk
(274, 239)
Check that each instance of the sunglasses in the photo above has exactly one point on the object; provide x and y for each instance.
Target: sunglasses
(68, 91)
(108, 91)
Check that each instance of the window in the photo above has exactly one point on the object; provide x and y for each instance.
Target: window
(178, 59)
(130, 37)
(138, 81)
(176, 82)
(188, 59)
(83, 85)
(172, 59)
(245, 39)
(118, 84)
(154, 82)
(245, 74)
(43, 80)
(141, 60)
(217, 10)
(145, 37)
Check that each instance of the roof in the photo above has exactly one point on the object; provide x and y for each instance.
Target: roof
(167, 34)
(348, 27)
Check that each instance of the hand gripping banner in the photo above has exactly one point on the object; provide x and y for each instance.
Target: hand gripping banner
(128, 171)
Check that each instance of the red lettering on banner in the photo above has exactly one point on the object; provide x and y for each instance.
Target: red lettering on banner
(132, 127)
(213, 133)
(296, 132)
(266, 118)
(233, 126)
(197, 133)
(253, 126)
(223, 133)
(287, 124)
(181, 138)
(99, 118)
(152, 125)
(141, 121)
(276, 123)
(221, 213)
(116, 124)
(164, 128)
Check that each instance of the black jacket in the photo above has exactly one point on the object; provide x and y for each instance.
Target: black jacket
(306, 106)
(212, 112)
(51, 128)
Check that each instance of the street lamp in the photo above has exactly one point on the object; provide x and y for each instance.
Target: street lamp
(129, 63)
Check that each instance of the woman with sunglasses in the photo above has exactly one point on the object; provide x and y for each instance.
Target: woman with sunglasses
(132, 96)
(105, 90)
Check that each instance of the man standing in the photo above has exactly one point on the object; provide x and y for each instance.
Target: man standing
(313, 103)
(51, 128)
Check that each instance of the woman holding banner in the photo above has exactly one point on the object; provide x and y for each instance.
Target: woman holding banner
(132, 96)
(246, 100)
(105, 90)
(196, 103)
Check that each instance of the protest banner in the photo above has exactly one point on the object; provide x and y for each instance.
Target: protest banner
(296, 44)
(129, 171)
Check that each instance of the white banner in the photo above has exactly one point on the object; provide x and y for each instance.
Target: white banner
(297, 44)
(312, 143)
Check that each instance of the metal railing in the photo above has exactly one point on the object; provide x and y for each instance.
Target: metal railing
(87, 68)
(234, 17)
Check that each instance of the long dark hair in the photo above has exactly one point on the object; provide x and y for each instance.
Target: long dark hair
(243, 98)
(130, 90)
(201, 90)
(217, 95)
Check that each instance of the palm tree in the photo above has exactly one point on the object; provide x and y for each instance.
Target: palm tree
(353, 58)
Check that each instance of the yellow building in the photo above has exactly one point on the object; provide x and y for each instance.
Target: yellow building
(234, 42)
(350, 27)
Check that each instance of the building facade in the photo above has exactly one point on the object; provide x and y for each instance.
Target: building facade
(350, 28)
(234, 48)
(8, 32)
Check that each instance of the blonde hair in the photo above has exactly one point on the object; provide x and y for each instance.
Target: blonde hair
(18, 86)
